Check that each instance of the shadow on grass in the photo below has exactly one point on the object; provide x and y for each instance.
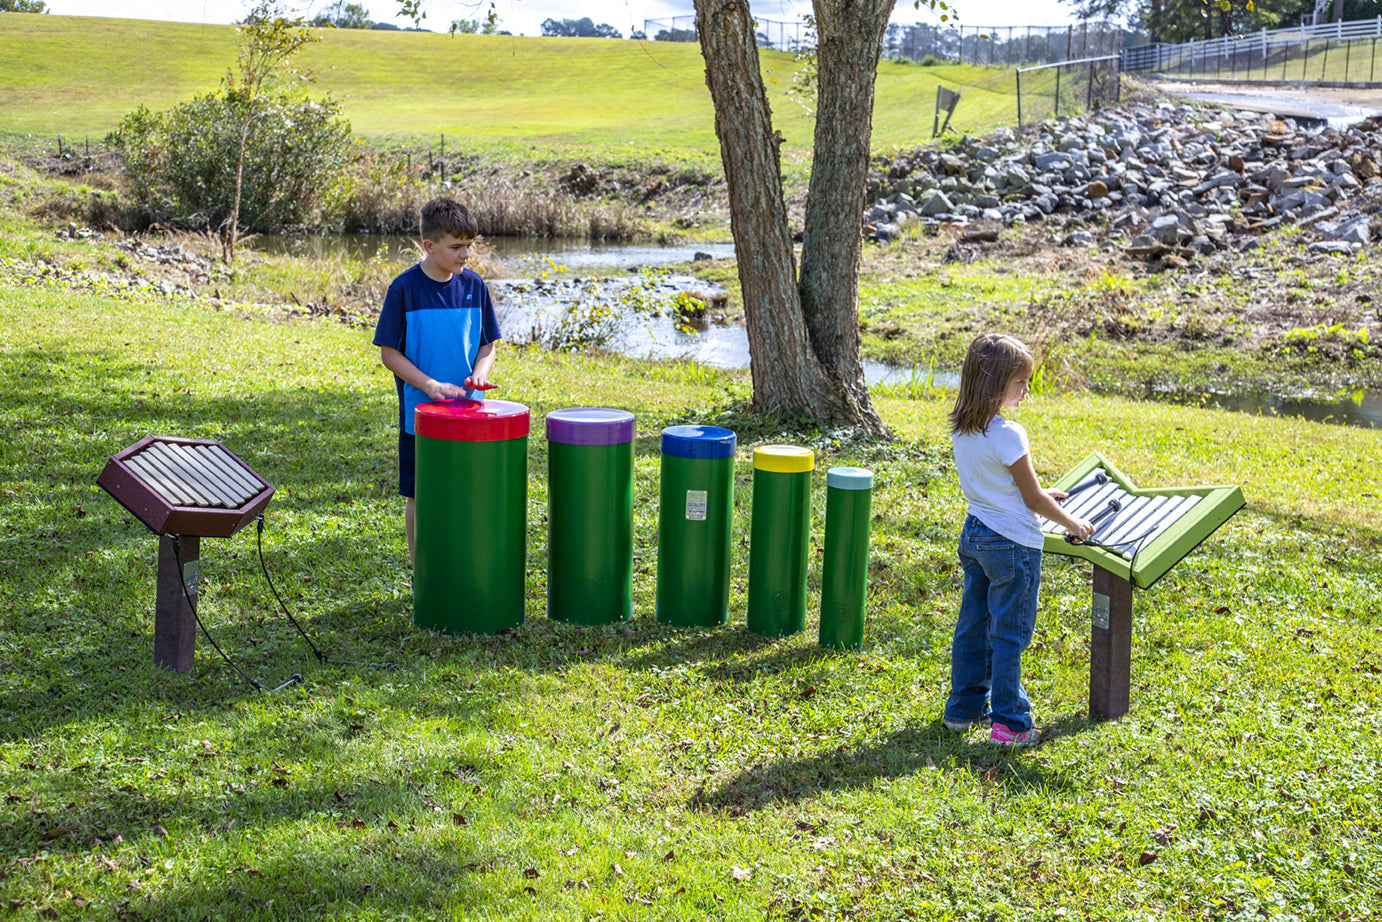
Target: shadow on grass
(913, 749)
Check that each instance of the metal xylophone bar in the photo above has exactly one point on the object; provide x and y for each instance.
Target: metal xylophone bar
(1124, 523)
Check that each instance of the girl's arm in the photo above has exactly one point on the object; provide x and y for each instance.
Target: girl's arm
(1043, 503)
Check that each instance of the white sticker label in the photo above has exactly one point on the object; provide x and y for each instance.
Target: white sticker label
(695, 505)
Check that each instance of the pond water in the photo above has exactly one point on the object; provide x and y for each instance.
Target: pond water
(624, 294)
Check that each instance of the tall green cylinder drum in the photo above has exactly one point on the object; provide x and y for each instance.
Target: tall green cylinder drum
(695, 515)
(471, 513)
(844, 575)
(779, 539)
(590, 515)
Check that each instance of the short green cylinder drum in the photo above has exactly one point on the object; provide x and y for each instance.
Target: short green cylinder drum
(590, 515)
(845, 573)
(695, 516)
(779, 539)
(470, 516)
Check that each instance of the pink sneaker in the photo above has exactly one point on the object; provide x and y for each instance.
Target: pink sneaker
(1000, 735)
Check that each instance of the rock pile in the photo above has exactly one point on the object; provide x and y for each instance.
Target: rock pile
(1174, 180)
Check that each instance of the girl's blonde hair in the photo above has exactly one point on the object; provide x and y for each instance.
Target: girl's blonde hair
(992, 362)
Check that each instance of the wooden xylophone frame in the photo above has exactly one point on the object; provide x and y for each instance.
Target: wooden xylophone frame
(1116, 574)
(201, 490)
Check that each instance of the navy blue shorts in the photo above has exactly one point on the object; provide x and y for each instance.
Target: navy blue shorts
(407, 463)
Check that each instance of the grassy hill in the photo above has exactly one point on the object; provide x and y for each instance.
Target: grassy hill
(79, 75)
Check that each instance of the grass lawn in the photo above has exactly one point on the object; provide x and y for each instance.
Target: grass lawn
(79, 76)
(635, 771)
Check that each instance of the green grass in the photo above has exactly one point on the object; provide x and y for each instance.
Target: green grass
(78, 76)
(635, 771)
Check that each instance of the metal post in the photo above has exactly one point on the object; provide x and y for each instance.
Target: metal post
(1089, 93)
(1348, 54)
(1019, 98)
(175, 626)
(1056, 110)
(1110, 646)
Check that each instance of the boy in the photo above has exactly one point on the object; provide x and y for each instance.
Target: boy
(436, 328)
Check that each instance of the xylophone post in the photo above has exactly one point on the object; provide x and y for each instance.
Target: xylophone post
(1110, 646)
(175, 626)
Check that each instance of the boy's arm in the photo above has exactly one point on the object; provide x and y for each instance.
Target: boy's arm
(484, 365)
(401, 365)
(1043, 502)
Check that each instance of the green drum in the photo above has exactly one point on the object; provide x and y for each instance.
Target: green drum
(590, 515)
(695, 515)
(845, 573)
(471, 514)
(779, 539)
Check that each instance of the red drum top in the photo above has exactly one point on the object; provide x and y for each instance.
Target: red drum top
(466, 420)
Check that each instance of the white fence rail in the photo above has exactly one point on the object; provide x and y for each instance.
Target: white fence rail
(1259, 55)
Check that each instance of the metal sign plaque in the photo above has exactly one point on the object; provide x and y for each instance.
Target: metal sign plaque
(1101, 610)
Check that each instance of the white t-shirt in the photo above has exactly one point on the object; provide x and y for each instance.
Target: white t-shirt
(994, 499)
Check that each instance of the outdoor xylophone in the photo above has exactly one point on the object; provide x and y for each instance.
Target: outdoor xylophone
(1140, 534)
(183, 490)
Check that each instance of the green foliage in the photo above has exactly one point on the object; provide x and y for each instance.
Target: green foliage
(579, 28)
(180, 164)
(23, 6)
(342, 15)
(258, 152)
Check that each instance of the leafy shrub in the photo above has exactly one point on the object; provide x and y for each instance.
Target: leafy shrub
(181, 164)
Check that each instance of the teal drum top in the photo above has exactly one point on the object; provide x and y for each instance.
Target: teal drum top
(849, 478)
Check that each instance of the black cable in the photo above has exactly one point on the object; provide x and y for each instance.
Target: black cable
(186, 594)
(321, 657)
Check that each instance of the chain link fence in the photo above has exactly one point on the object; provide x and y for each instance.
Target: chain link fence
(1049, 90)
(1008, 46)
(772, 34)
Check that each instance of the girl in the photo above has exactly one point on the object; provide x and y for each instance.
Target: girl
(1000, 544)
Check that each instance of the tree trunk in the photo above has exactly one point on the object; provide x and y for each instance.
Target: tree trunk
(788, 376)
(849, 40)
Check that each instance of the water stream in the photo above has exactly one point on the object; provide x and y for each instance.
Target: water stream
(563, 287)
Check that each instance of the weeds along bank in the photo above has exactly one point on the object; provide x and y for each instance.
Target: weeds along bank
(636, 770)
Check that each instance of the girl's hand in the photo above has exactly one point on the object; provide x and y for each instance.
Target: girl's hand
(1080, 528)
(1057, 495)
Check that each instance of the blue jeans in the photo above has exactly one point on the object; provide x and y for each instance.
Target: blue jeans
(997, 616)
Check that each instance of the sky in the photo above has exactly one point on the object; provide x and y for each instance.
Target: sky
(525, 17)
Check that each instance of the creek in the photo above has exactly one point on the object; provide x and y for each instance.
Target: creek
(626, 297)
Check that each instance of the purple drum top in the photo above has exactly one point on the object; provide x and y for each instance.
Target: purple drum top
(590, 426)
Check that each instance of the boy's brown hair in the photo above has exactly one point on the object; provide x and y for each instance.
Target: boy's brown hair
(993, 360)
(447, 216)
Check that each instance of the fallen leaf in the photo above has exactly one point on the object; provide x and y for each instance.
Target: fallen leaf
(458, 819)
(1146, 858)
(739, 873)
(531, 873)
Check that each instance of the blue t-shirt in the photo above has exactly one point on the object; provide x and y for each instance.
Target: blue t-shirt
(438, 326)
